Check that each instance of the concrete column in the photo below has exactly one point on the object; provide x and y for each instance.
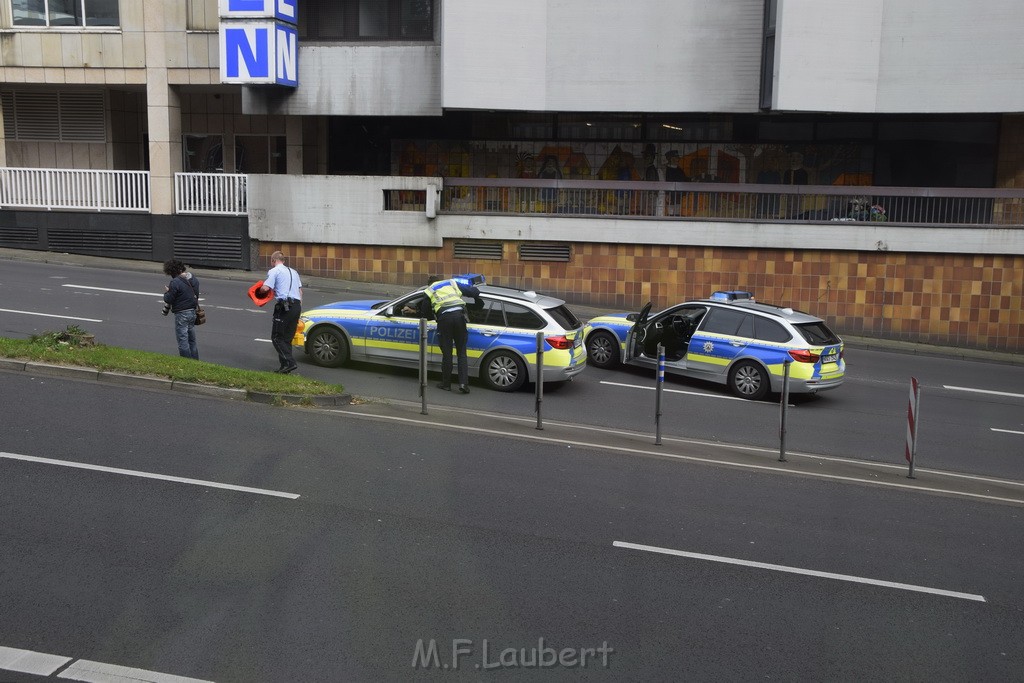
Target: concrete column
(163, 104)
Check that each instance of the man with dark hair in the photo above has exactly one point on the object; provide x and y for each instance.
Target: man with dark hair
(450, 311)
(181, 297)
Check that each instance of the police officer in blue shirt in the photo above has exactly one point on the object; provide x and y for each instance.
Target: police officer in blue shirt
(450, 312)
(287, 288)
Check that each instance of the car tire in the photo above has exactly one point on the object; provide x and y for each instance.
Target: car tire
(748, 379)
(327, 347)
(603, 350)
(503, 371)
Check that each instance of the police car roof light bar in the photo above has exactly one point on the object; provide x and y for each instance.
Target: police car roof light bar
(732, 295)
(471, 279)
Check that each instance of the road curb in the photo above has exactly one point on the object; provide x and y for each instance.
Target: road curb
(301, 399)
(69, 371)
(162, 383)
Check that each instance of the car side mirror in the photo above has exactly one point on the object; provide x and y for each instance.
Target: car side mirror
(632, 317)
(389, 311)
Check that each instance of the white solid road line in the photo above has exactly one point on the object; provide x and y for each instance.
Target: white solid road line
(1006, 431)
(29, 662)
(107, 289)
(42, 664)
(98, 672)
(149, 475)
(159, 295)
(50, 315)
(797, 570)
(694, 393)
(635, 450)
(983, 391)
(671, 391)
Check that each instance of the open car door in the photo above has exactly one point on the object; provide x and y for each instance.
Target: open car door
(637, 334)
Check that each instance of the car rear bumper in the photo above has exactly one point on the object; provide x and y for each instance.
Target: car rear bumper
(561, 374)
(810, 386)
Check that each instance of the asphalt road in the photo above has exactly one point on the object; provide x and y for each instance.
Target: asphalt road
(972, 411)
(403, 534)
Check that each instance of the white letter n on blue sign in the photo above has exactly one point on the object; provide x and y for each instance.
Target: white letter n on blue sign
(240, 42)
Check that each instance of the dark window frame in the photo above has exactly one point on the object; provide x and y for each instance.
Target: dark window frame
(84, 15)
(315, 22)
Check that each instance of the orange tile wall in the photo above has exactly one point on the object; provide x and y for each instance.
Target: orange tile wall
(944, 299)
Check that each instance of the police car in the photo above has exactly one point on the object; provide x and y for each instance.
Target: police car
(502, 346)
(727, 338)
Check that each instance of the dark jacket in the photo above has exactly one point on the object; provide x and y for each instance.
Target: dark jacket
(181, 296)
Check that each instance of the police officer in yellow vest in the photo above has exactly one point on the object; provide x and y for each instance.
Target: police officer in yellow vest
(450, 312)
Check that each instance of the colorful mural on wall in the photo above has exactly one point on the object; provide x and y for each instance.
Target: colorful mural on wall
(671, 162)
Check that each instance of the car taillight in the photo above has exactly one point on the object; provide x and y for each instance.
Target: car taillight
(560, 342)
(804, 356)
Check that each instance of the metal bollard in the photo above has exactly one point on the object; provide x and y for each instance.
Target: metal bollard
(782, 410)
(913, 418)
(539, 383)
(657, 395)
(423, 366)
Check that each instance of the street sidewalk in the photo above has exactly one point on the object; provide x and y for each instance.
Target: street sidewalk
(385, 291)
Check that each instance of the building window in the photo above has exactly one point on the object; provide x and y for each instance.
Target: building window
(366, 20)
(260, 154)
(768, 54)
(61, 13)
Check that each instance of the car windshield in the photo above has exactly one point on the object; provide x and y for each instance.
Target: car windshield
(817, 333)
(564, 317)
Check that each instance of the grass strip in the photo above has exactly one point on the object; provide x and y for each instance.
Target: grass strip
(74, 346)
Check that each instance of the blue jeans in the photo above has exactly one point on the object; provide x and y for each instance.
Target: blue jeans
(185, 332)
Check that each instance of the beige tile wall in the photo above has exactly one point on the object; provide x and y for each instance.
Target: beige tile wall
(945, 299)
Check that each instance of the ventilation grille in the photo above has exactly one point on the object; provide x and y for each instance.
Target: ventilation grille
(544, 252)
(478, 250)
(200, 248)
(77, 116)
(19, 235)
(106, 242)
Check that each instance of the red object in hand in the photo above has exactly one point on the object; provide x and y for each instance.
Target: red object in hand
(254, 294)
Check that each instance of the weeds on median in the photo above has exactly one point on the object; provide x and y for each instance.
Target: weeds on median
(75, 346)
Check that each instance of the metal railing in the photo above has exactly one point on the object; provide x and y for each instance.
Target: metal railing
(71, 189)
(727, 201)
(210, 193)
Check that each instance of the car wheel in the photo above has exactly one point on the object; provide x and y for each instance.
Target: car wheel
(503, 371)
(747, 379)
(602, 350)
(327, 347)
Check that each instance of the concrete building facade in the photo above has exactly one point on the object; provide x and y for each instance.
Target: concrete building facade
(612, 152)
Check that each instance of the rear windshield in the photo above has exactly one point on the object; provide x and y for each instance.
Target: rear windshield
(564, 317)
(817, 333)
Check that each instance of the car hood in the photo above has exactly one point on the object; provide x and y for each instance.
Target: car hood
(610, 317)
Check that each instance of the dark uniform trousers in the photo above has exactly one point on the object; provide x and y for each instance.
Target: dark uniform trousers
(285, 322)
(451, 330)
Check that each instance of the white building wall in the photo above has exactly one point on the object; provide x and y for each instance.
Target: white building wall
(899, 56)
(350, 210)
(602, 55)
(357, 80)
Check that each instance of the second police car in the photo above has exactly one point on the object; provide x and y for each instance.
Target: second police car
(502, 346)
(728, 338)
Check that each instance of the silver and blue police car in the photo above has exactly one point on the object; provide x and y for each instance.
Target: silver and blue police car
(502, 346)
(728, 338)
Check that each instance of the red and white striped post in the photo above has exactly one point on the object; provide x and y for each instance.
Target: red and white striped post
(913, 413)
